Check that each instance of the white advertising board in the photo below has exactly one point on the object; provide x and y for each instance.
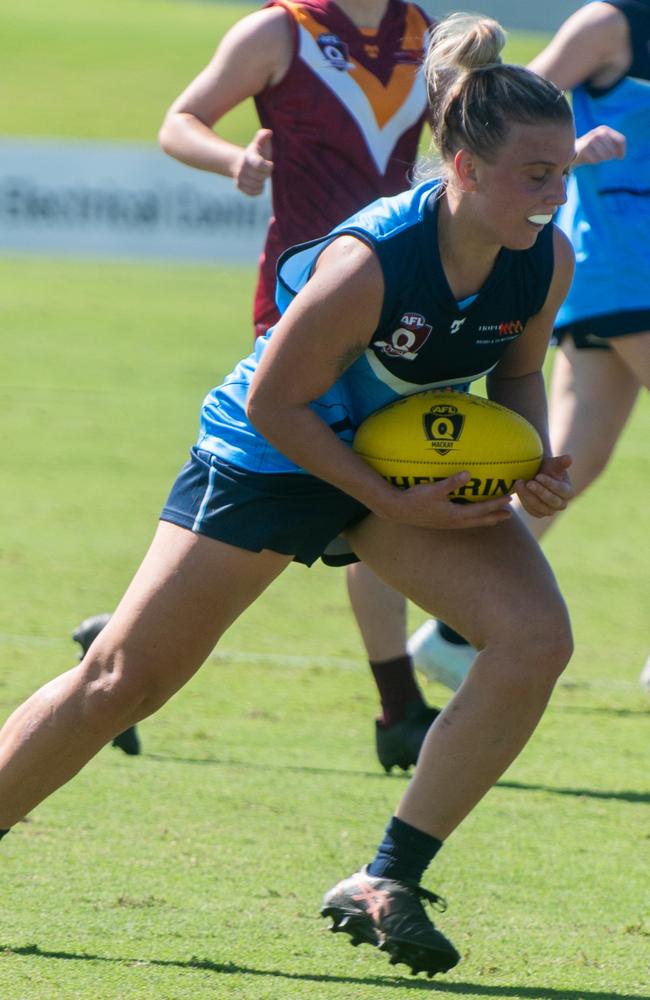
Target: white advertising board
(124, 200)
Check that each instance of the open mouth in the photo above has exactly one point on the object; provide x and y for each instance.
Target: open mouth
(540, 220)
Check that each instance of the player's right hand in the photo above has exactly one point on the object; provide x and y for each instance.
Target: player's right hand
(255, 164)
(428, 506)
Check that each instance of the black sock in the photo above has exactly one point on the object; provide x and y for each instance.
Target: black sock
(449, 635)
(3, 833)
(405, 852)
(397, 687)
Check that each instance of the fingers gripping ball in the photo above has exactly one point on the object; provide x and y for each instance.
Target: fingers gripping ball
(435, 434)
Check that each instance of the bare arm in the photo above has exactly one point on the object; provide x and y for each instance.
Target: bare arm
(518, 383)
(324, 330)
(593, 45)
(255, 53)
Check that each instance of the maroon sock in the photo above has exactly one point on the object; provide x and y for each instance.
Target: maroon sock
(397, 687)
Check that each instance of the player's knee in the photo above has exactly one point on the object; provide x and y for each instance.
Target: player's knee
(590, 468)
(549, 643)
(557, 649)
(123, 688)
(536, 645)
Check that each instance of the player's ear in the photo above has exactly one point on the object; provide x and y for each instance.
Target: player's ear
(465, 169)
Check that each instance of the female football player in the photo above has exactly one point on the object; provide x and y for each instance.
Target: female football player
(273, 478)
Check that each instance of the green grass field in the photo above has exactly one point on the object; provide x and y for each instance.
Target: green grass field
(196, 871)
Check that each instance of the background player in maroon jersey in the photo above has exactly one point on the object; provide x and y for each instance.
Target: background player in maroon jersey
(341, 103)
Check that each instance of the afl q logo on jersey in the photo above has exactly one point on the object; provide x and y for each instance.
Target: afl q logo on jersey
(443, 425)
(408, 339)
(335, 51)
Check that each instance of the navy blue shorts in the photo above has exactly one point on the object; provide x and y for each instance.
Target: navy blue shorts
(597, 331)
(292, 513)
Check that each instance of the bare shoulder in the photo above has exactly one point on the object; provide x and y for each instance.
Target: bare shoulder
(592, 45)
(267, 23)
(610, 31)
(563, 264)
(351, 260)
(265, 34)
(594, 19)
(344, 296)
(562, 247)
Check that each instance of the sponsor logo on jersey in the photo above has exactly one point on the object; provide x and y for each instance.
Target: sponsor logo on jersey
(443, 425)
(512, 329)
(408, 339)
(509, 329)
(335, 51)
(498, 332)
(456, 325)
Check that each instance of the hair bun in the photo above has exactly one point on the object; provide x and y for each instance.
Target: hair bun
(467, 42)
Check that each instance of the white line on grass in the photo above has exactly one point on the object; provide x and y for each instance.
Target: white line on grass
(300, 662)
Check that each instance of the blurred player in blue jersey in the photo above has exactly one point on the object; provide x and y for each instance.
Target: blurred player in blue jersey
(601, 54)
(273, 478)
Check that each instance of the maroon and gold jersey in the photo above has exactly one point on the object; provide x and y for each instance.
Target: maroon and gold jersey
(346, 121)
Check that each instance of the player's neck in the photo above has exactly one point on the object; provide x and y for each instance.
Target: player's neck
(467, 257)
(364, 13)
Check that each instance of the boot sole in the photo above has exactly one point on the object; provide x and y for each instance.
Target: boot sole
(416, 957)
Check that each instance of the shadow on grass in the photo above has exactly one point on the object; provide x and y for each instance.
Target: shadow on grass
(587, 793)
(254, 766)
(398, 983)
(602, 710)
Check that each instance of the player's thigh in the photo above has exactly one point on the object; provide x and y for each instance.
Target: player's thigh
(487, 583)
(634, 351)
(188, 590)
(591, 396)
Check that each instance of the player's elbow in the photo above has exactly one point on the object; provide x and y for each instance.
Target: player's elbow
(173, 132)
(261, 408)
(166, 135)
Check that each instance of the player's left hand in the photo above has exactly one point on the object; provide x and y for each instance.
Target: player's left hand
(600, 144)
(550, 490)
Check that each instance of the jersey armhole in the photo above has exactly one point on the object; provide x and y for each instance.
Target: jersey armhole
(294, 41)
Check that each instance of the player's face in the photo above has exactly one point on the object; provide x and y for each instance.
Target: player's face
(520, 191)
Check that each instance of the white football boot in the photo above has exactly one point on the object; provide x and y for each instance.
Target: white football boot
(644, 679)
(438, 659)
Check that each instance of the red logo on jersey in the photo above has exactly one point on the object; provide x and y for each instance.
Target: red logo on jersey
(513, 328)
(408, 339)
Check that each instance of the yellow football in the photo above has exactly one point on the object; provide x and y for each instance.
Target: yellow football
(434, 434)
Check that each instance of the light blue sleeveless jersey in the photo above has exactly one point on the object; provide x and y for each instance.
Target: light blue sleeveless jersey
(607, 215)
(424, 339)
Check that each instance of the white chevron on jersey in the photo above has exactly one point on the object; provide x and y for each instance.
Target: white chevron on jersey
(404, 388)
(380, 141)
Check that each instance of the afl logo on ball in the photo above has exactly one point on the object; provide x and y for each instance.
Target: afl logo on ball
(443, 425)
